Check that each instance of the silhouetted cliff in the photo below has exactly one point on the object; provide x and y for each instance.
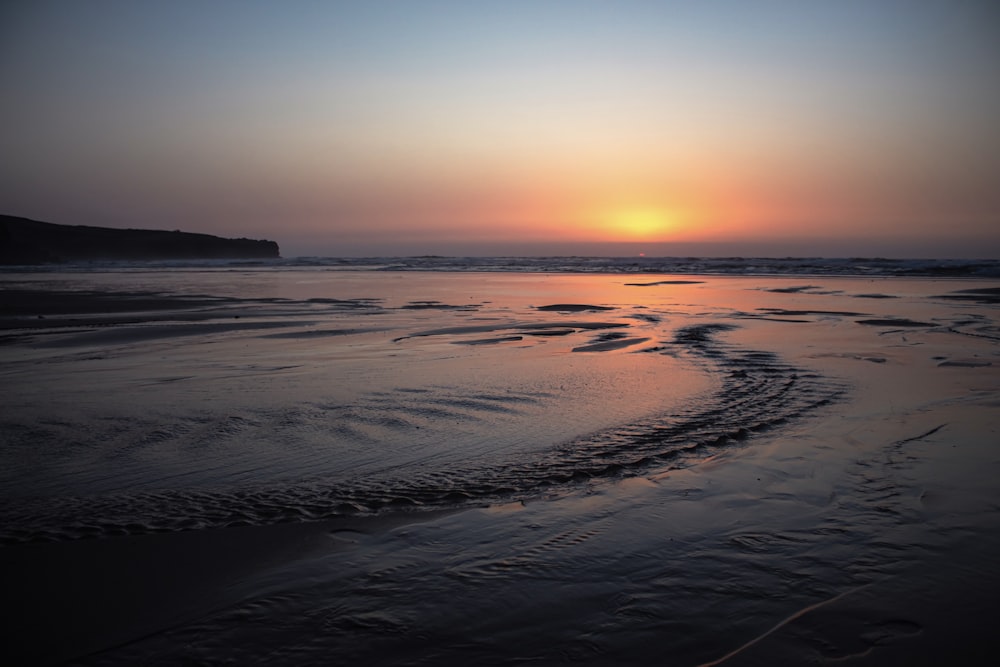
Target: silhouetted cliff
(24, 241)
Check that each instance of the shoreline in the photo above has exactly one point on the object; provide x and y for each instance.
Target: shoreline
(623, 265)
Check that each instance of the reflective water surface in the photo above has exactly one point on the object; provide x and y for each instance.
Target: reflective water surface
(631, 467)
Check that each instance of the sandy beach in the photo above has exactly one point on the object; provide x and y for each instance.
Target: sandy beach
(387, 468)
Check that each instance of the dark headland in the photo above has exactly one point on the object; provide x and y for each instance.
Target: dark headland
(24, 241)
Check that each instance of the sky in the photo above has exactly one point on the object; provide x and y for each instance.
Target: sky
(562, 127)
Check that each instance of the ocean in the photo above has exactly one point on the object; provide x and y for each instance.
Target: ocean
(495, 460)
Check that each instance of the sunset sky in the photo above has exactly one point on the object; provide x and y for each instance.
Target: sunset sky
(850, 127)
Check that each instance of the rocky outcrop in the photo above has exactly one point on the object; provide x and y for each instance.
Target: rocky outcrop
(24, 241)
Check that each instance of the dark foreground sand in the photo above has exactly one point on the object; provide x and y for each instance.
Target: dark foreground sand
(860, 531)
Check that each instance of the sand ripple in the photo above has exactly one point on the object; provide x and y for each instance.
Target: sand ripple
(756, 392)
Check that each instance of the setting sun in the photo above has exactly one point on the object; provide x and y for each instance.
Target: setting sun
(644, 224)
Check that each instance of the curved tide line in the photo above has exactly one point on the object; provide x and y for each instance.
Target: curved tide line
(758, 392)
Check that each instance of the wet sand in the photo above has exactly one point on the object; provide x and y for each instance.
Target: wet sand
(856, 527)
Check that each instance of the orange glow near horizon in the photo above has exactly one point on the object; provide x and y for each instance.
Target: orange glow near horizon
(645, 223)
(642, 224)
